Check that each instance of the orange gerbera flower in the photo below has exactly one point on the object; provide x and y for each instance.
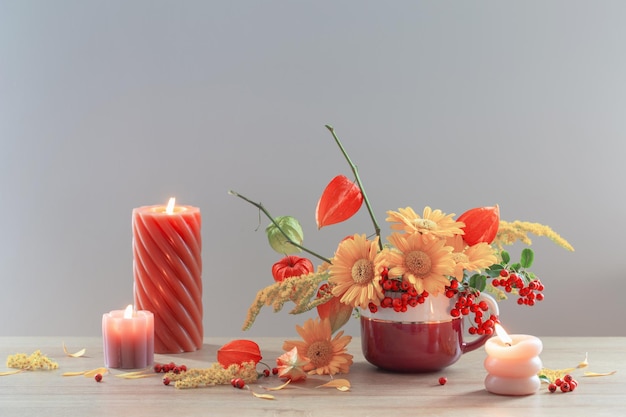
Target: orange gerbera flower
(354, 273)
(470, 258)
(432, 222)
(426, 263)
(326, 355)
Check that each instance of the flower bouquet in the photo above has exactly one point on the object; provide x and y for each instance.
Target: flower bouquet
(427, 256)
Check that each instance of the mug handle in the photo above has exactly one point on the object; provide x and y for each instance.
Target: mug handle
(481, 340)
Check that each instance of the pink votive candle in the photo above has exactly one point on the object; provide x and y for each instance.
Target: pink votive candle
(512, 364)
(128, 338)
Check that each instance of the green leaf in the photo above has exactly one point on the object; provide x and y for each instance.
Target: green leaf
(494, 270)
(527, 257)
(478, 281)
(506, 258)
(285, 228)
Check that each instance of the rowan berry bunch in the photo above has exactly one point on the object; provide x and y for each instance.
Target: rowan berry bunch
(401, 295)
(566, 384)
(528, 294)
(169, 367)
(467, 304)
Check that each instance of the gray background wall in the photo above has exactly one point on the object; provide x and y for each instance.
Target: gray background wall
(106, 106)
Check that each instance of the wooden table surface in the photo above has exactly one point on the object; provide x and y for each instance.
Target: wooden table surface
(373, 392)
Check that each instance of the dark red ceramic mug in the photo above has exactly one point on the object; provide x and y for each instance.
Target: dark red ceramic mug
(426, 338)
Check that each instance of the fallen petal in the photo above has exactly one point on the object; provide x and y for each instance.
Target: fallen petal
(340, 384)
(93, 372)
(73, 373)
(599, 373)
(75, 354)
(17, 371)
(264, 396)
(278, 388)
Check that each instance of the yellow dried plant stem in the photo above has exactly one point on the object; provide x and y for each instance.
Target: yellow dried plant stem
(214, 375)
(300, 290)
(34, 361)
(511, 232)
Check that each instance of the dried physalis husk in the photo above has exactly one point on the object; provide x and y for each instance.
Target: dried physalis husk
(75, 354)
(340, 384)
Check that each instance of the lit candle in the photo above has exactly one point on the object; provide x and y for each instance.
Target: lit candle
(128, 338)
(167, 267)
(512, 363)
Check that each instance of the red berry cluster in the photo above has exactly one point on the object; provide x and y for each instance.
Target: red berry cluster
(466, 305)
(528, 294)
(169, 367)
(399, 295)
(567, 384)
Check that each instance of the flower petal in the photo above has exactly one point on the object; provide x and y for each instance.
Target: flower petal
(75, 354)
(341, 384)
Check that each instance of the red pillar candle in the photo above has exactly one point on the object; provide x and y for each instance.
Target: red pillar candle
(128, 338)
(167, 267)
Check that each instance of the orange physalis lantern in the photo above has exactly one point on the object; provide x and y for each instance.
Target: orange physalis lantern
(334, 310)
(481, 224)
(238, 352)
(340, 200)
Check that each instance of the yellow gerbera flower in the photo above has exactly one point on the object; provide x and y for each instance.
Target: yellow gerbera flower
(355, 272)
(470, 258)
(432, 222)
(326, 355)
(425, 263)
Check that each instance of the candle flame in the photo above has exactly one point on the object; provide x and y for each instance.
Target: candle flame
(128, 313)
(170, 206)
(503, 335)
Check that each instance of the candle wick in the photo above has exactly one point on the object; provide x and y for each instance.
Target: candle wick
(507, 344)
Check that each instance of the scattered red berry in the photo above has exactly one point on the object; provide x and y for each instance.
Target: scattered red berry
(158, 368)
(552, 387)
(568, 378)
(565, 387)
(166, 381)
(266, 372)
(274, 371)
(98, 377)
(443, 380)
(238, 383)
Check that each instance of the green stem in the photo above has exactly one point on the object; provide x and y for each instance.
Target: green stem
(358, 181)
(269, 216)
